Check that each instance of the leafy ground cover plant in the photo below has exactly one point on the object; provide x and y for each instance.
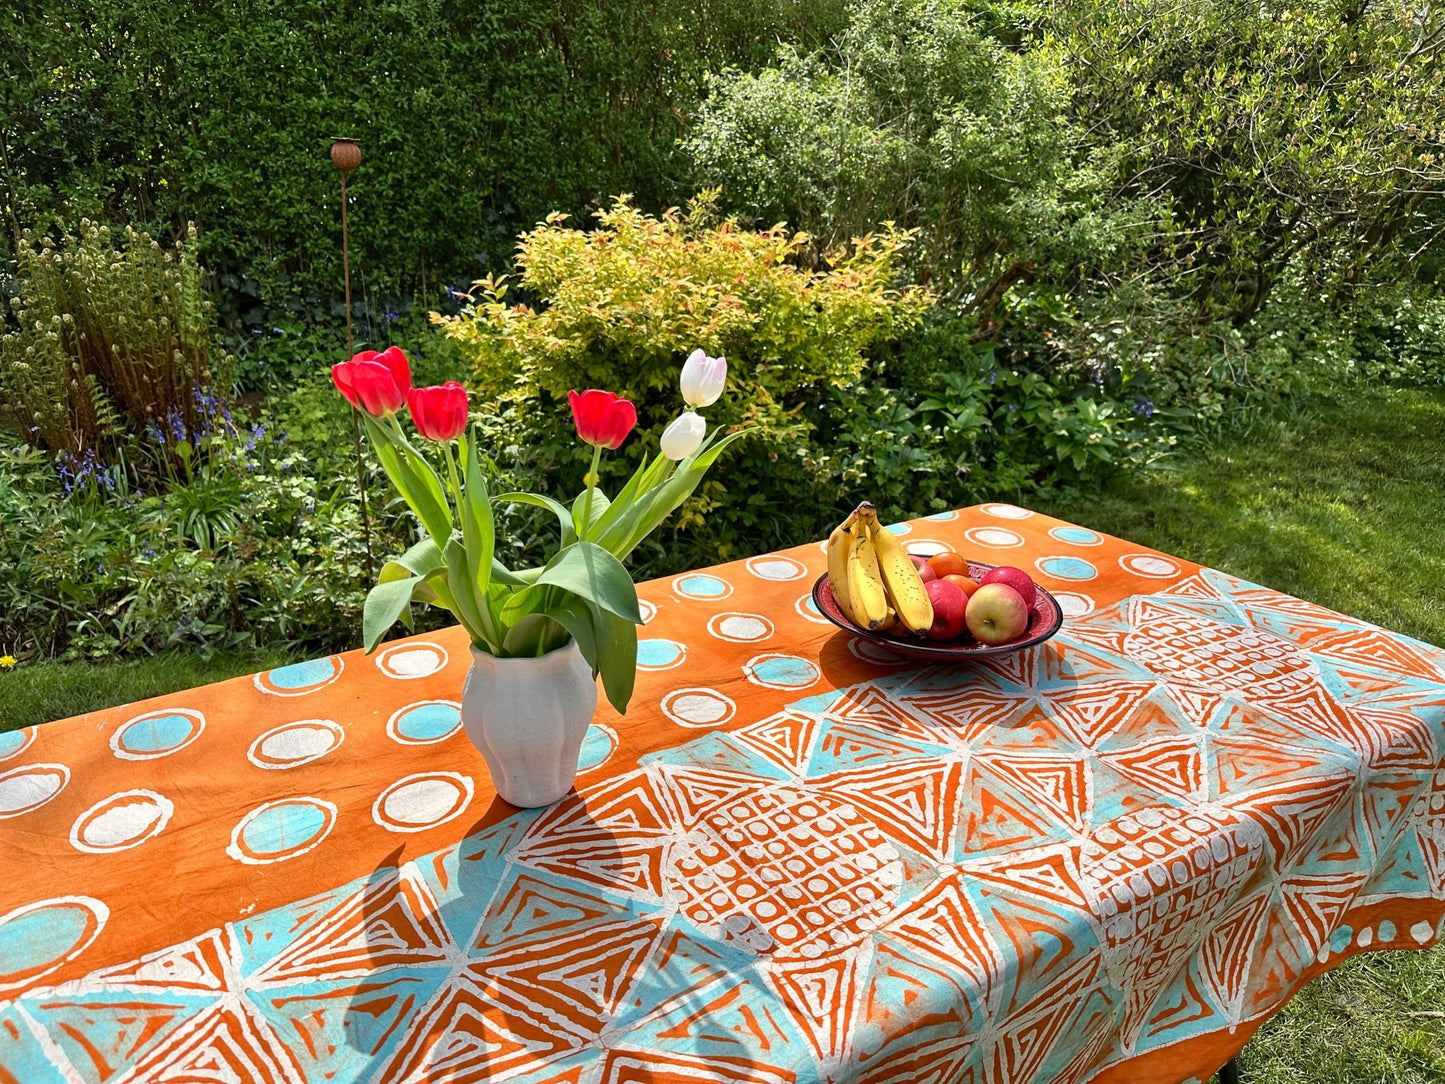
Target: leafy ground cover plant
(253, 545)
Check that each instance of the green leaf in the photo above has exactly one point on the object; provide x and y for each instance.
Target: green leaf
(504, 575)
(429, 590)
(600, 504)
(589, 571)
(557, 508)
(423, 558)
(635, 524)
(413, 477)
(616, 657)
(465, 600)
(574, 615)
(525, 638)
(384, 604)
(478, 534)
(647, 477)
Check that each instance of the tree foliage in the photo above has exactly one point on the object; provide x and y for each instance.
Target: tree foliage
(919, 113)
(1279, 133)
(1196, 149)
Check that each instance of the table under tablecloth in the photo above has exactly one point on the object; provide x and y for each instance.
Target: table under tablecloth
(796, 858)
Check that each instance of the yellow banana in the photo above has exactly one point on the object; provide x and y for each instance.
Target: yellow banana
(901, 578)
(866, 593)
(839, 543)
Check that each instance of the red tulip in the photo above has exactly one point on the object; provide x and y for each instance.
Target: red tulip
(602, 419)
(440, 413)
(375, 382)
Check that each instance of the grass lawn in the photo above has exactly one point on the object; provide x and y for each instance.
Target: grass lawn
(1344, 506)
(40, 692)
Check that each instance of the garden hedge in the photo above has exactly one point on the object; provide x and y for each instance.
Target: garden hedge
(476, 118)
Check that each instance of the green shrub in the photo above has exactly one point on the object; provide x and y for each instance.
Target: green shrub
(1399, 337)
(621, 306)
(919, 114)
(1287, 139)
(475, 120)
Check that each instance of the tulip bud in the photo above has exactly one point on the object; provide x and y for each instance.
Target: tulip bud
(683, 436)
(703, 379)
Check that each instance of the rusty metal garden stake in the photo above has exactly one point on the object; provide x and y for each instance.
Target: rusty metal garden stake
(346, 156)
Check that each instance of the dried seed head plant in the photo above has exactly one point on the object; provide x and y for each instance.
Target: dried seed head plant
(110, 336)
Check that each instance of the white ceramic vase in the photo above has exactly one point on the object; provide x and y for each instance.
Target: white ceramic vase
(528, 717)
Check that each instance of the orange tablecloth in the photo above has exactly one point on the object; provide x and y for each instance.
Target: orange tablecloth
(796, 858)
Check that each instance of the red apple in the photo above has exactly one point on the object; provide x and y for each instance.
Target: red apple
(1016, 578)
(996, 614)
(950, 607)
(966, 585)
(925, 570)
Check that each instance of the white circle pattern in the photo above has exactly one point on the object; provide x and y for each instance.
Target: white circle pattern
(1149, 564)
(698, 707)
(291, 745)
(122, 821)
(407, 662)
(1005, 511)
(740, 628)
(777, 671)
(926, 547)
(421, 801)
(1073, 604)
(776, 567)
(28, 788)
(994, 537)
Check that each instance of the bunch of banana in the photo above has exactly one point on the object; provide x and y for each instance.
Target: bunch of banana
(874, 580)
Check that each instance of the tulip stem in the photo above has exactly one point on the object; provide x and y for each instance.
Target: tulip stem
(452, 472)
(361, 482)
(591, 485)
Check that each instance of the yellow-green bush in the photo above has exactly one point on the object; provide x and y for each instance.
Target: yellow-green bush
(621, 306)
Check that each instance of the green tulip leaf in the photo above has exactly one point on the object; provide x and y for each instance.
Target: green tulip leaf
(590, 572)
(384, 604)
(557, 508)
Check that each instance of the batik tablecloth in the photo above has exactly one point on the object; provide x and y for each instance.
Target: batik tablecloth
(797, 858)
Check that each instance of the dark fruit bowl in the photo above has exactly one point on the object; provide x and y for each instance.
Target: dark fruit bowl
(1045, 619)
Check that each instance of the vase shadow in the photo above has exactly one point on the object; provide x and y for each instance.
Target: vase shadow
(426, 1006)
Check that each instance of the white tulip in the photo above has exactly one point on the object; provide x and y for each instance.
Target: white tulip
(683, 436)
(703, 379)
